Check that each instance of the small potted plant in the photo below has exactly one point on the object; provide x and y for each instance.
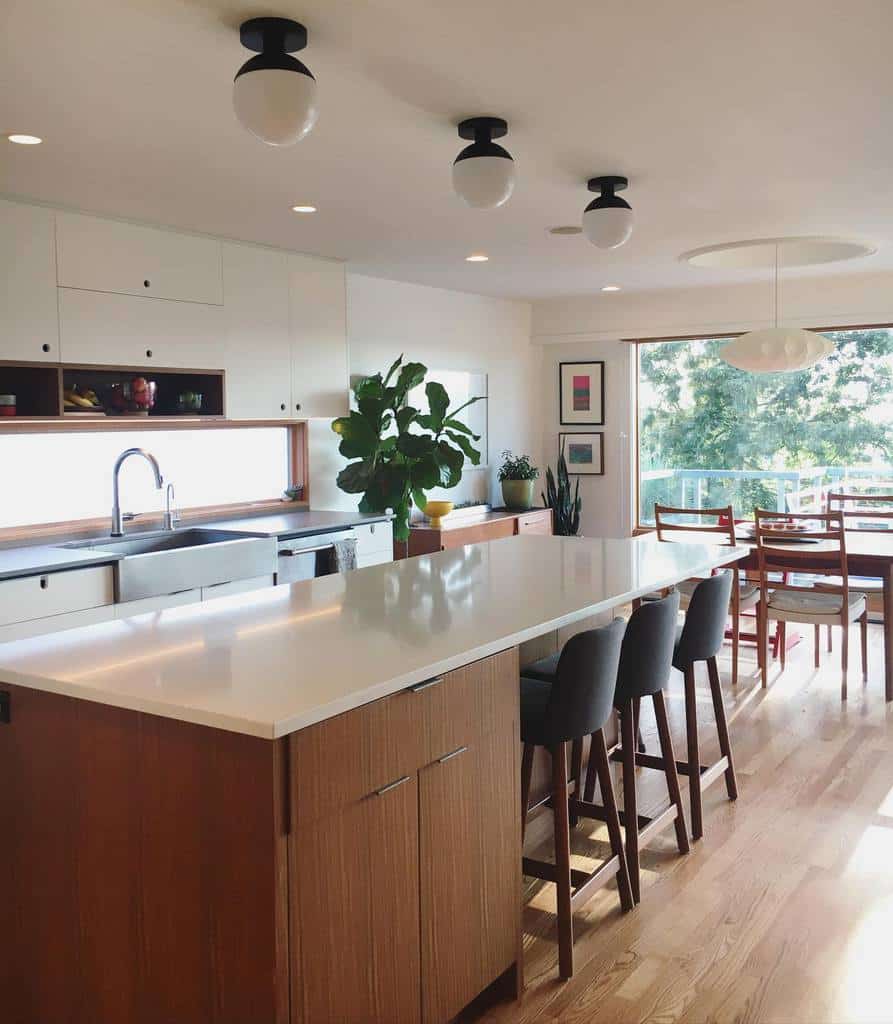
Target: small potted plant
(517, 476)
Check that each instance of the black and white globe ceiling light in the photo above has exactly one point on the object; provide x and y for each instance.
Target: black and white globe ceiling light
(608, 219)
(483, 173)
(274, 94)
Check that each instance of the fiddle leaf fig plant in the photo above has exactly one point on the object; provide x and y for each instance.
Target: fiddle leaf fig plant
(402, 452)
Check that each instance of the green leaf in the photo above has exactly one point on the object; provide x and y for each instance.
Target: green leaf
(354, 479)
(462, 427)
(473, 454)
(425, 421)
(419, 498)
(368, 387)
(372, 408)
(405, 416)
(438, 400)
(359, 437)
(410, 377)
(426, 473)
(449, 461)
(455, 412)
(415, 446)
(394, 367)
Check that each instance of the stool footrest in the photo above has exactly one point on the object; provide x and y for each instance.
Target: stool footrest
(709, 772)
(649, 824)
(585, 809)
(583, 883)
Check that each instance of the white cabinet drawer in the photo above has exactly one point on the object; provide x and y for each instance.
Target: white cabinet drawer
(36, 597)
(157, 604)
(374, 558)
(374, 538)
(113, 256)
(120, 330)
(237, 587)
(56, 623)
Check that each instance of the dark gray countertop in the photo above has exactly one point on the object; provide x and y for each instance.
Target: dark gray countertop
(38, 559)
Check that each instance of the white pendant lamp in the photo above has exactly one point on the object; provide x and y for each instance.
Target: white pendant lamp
(777, 349)
(608, 220)
(483, 173)
(274, 94)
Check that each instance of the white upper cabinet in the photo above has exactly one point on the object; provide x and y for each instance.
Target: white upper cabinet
(122, 330)
(256, 349)
(113, 256)
(318, 316)
(29, 320)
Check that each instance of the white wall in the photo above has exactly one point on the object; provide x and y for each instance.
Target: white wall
(445, 330)
(591, 326)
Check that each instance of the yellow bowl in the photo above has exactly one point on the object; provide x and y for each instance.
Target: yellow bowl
(436, 511)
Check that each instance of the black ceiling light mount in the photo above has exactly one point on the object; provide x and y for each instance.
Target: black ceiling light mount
(608, 219)
(484, 172)
(274, 94)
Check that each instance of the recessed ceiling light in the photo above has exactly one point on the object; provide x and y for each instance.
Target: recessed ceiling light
(477, 257)
(611, 288)
(304, 209)
(566, 229)
(25, 140)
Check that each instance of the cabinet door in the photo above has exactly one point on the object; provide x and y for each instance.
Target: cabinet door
(470, 846)
(355, 912)
(375, 544)
(113, 256)
(257, 351)
(318, 314)
(120, 330)
(29, 320)
(476, 533)
(539, 521)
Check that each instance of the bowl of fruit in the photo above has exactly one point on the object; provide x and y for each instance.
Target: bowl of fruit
(132, 398)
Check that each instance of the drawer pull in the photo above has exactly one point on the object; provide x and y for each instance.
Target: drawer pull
(426, 685)
(44, 582)
(390, 786)
(451, 755)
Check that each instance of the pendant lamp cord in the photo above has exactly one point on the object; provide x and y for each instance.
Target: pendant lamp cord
(776, 284)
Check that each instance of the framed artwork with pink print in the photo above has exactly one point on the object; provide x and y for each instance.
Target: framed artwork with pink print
(581, 394)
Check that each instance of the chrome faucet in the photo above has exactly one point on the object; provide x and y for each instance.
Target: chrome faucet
(171, 515)
(117, 518)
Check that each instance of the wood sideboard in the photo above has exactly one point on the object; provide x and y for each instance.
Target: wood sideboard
(459, 531)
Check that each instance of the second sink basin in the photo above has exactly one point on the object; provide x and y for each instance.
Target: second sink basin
(163, 562)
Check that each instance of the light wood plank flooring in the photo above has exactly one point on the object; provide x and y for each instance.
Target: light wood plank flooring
(784, 911)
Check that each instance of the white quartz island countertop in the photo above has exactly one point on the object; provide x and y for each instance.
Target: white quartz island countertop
(271, 662)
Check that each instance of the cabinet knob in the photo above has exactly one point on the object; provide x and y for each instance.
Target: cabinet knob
(147, 284)
(282, 407)
(148, 353)
(45, 347)
(297, 406)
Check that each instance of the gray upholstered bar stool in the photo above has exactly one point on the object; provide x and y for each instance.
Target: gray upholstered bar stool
(646, 660)
(701, 639)
(575, 704)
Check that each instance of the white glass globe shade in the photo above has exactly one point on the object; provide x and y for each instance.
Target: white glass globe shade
(484, 182)
(608, 227)
(275, 104)
(777, 350)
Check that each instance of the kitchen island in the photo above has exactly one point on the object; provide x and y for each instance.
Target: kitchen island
(296, 805)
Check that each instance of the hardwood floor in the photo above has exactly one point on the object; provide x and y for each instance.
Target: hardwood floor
(783, 912)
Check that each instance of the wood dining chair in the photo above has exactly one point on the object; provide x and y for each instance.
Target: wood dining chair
(809, 549)
(719, 521)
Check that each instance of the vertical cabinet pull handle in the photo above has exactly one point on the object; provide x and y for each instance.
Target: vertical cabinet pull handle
(426, 685)
(451, 755)
(390, 786)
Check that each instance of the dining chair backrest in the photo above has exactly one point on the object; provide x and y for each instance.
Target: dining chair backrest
(582, 695)
(812, 544)
(861, 510)
(646, 656)
(720, 521)
(705, 620)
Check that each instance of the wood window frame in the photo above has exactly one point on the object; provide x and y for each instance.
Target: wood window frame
(639, 529)
(298, 471)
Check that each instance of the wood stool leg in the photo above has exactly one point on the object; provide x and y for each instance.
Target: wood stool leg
(591, 773)
(526, 773)
(818, 644)
(576, 777)
(736, 630)
(830, 641)
(782, 643)
(763, 643)
(612, 819)
(669, 756)
(694, 754)
(562, 861)
(630, 803)
(719, 712)
(863, 627)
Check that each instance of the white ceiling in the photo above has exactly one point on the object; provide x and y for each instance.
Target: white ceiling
(732, 118)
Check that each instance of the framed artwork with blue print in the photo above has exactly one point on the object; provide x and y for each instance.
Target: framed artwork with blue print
(585, 453)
